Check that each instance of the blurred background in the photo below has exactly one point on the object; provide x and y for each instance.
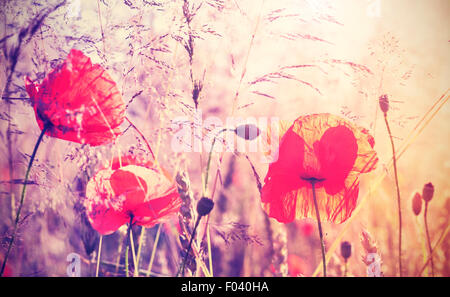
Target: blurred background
(233, 58)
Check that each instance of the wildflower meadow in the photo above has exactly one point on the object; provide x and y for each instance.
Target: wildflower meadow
(224, 138)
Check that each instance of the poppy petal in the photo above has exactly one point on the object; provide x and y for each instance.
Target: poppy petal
(334, 208)
(290, 156)
(283, 177)
(327, 149)
(336, 152)
(80, 100)
(104, 210)
(279, 199)
(115, 195)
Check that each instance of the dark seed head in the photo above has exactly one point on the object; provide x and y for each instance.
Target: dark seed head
(247, 131)
(384, 103)
(427, 192)
(204, 206)
(346, 250)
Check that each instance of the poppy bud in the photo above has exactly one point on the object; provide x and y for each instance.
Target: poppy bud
(247, 131)
(417, 204)
(204, 206)
(384, 103)
(346, 250)
(427, 192)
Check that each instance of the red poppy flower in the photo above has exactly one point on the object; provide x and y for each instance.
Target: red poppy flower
(129, 190)
(325, 149)
(78, 102)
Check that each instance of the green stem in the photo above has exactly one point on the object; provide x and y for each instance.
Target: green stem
(394, 162)
(22, 198)
(428, 238)
(322, 243)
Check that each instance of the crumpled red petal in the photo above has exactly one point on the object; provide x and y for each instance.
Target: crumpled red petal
(324, 147)
(115, 195)
(79, 101)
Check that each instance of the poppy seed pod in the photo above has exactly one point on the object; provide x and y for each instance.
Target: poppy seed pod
(247, 131)
(204, 206)
(417, 204)
(384, 103)
(346, 250)
(427, 192)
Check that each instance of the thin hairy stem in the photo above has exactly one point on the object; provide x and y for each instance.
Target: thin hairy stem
(319, 225)
(428, 238)
(208, 164)
(208, 240)
(22, 198)
(133, 254)
(189, 247)
(143, 137)
(440, 240)
(394, 162)
(130, 224)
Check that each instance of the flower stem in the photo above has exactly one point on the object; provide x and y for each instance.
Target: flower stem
(140, 243)
(22, 198)
(189, 247)
(133, 254)
(428, 238)
(394, 162)
(130, 224)
(208, 165)
(208, 238)
(98, 255)
(119, 252)
(143, 137)
(319, 224)
(126, 261)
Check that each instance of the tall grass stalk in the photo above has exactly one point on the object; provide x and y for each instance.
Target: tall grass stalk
(399, 206)
(155, 245)
(99, 255)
